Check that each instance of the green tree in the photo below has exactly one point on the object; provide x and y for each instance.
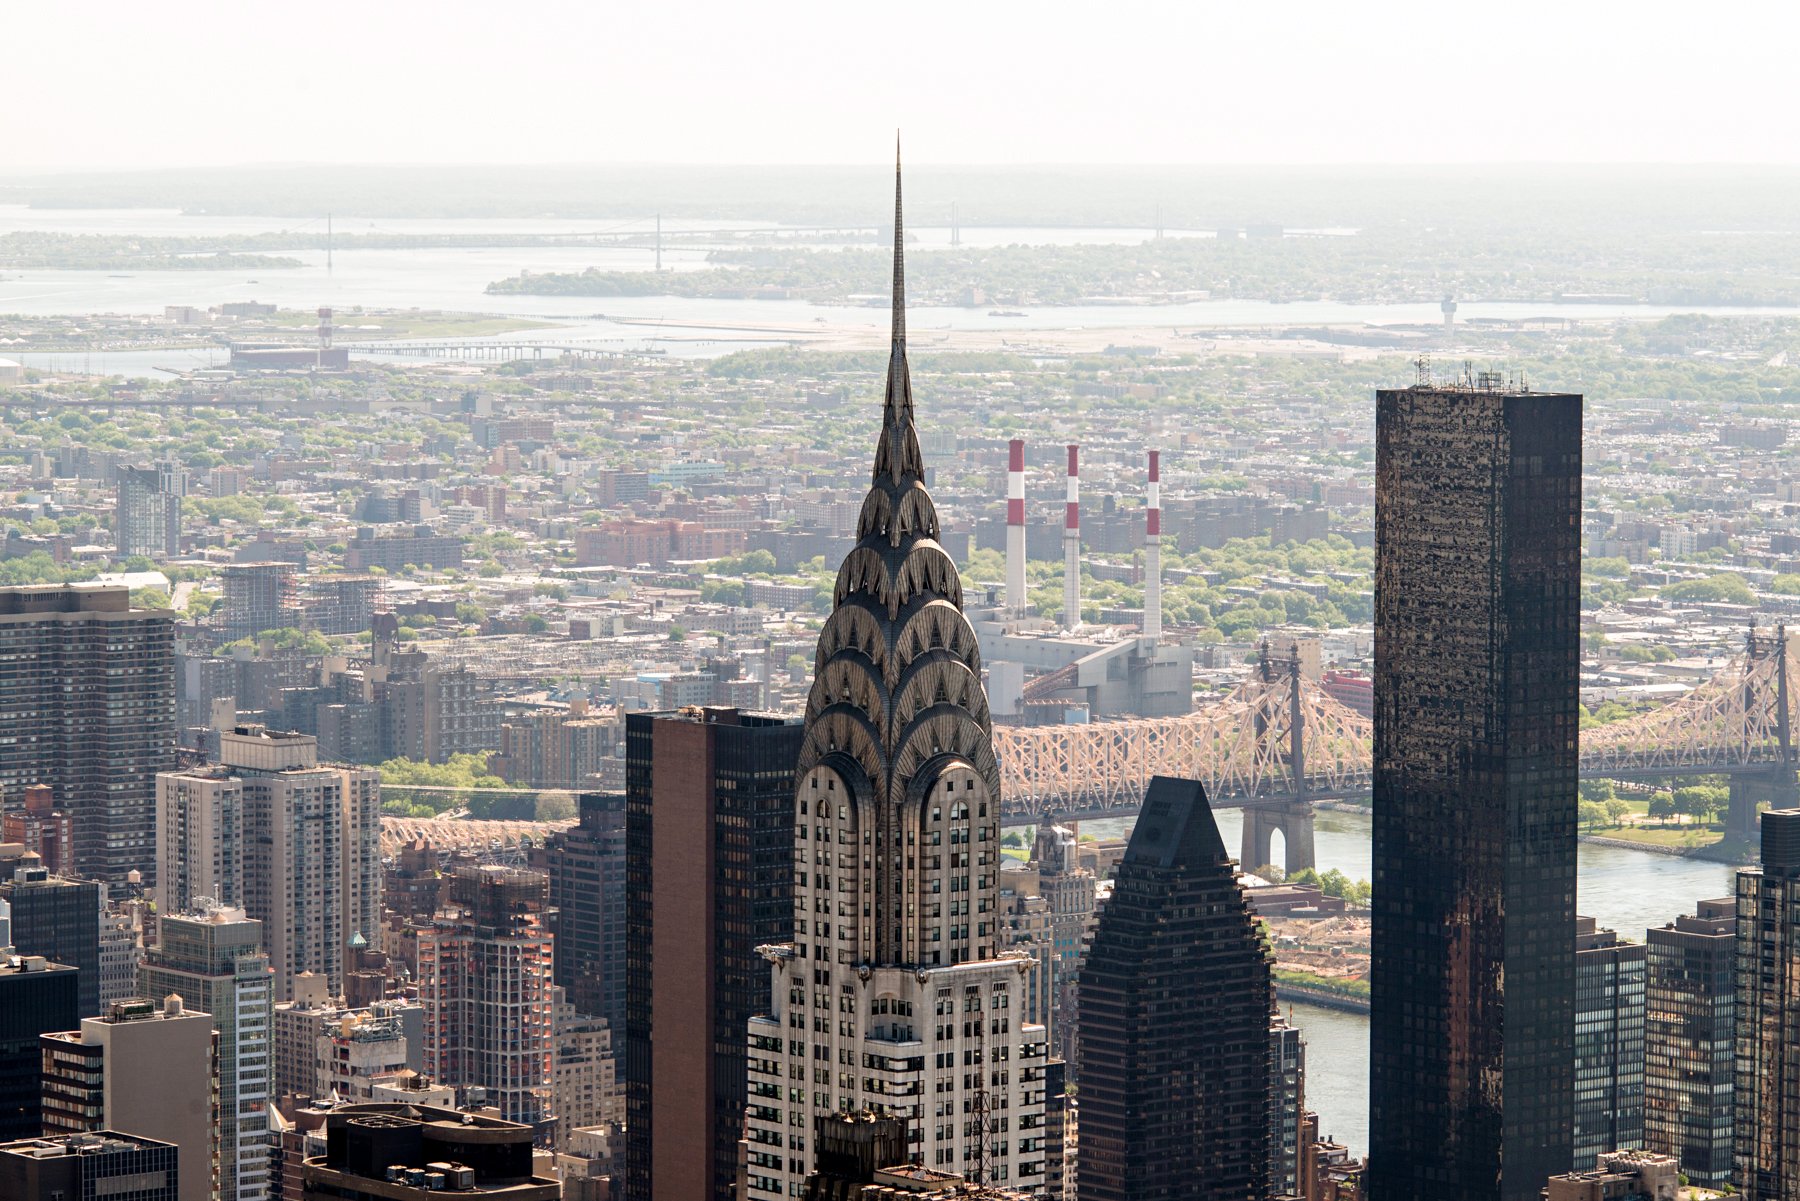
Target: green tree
(1616, 811)
(1593, 815)
(556, 806)
(1724, 587)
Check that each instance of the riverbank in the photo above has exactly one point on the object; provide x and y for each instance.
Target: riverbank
(1722, 851)
(1324, 1000)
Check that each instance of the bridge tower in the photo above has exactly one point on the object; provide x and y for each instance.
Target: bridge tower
(1778, 785)
(1290, 812)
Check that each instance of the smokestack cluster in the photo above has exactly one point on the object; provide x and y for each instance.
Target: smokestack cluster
(1153, 551)
(1015, 527)
(1072, 547)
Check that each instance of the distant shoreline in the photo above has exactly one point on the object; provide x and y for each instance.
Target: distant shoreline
(1715, 852)
(1324, 1000)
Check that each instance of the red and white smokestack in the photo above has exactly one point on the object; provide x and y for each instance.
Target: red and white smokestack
(1072, 547)
(1015, 526)
(1153, 551)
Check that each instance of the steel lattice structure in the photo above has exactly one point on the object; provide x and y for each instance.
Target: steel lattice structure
(502, 837)
(1240, 748)
(1740, 720)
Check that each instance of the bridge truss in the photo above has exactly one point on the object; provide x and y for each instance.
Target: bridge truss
(1278, 727)
(1245, 750)
(1739, 720)
(1275, 728)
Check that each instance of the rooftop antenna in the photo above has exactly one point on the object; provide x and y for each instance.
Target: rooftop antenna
(1423, 366)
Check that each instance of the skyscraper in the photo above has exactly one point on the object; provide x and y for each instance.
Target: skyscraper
(304, 846)
(58, 919)
(1068, 889)
(87, 698)
(214, 961)
(586, 867)
(1477, 509)
(1175, 1041)
(199, 838)
(145, 1067)
(484, 980)
(709, 879)
(1287, 1106)
(1689, 1027)
(147, 520)
(892, 994)
(36, 997)
(1609, 1044)
(1767, 1156)
(103, 1164)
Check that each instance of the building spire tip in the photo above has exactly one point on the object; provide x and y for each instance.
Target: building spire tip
(899, 315)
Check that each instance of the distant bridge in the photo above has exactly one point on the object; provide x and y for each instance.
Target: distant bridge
(1278, 743)
(482, 351)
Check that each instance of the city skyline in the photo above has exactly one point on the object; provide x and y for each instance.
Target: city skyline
(500, 707)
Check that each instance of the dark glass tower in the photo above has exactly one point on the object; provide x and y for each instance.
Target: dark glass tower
(60, 920)
(35, 998)
(709, 878)
(1691, 1020)
(1477, 511)
(1767, 1138)
(1174, 1037)
(586, 866)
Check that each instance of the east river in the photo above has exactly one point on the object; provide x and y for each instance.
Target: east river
(453, 279)
(1630, 891)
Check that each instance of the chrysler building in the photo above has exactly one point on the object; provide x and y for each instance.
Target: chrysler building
(894, 996)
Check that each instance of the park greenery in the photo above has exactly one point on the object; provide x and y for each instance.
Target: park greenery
(466, 771)
(1334, 883)
(287, 640)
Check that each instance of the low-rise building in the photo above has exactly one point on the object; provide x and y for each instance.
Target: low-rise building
(400, 1152)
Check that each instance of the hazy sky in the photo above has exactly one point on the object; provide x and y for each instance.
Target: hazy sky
(125, 83)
